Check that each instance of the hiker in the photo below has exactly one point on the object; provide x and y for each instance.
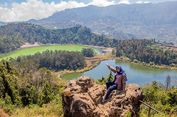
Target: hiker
(118, 83)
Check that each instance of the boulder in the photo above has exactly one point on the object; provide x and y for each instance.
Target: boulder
(83, 98)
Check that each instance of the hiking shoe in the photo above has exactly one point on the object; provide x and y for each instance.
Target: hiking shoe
(103, 99)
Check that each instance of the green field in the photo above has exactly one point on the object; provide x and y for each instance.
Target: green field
(33, 50)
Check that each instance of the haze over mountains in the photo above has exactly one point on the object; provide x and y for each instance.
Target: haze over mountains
(2, 23)
(121, 21)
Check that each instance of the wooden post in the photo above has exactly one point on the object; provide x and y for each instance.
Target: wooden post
(150, 106)
(149, 112)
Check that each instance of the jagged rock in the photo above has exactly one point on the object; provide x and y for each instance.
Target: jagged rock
(82, 98)
(3, 114)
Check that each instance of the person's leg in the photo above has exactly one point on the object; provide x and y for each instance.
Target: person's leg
(108, 84)
(110, 89)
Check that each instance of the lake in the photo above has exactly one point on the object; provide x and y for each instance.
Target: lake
(136, 73)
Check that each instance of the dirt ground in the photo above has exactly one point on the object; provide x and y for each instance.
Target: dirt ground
(27, 45)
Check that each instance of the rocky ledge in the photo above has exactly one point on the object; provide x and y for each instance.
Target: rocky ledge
(83, 98)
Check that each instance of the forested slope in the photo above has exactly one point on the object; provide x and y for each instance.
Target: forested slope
(15, 34)
(146, 51)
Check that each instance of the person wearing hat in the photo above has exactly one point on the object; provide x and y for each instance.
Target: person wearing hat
(119, 81)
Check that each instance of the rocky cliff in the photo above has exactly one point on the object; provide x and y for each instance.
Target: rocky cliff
(83, 98)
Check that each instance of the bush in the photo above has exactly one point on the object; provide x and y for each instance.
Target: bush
(88, 52)
(163, 100)
(37, 87)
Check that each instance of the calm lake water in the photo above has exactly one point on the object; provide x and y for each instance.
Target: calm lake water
(135, 73)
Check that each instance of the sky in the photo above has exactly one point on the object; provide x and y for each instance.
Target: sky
(23, 10)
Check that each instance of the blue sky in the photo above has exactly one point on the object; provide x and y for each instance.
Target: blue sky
(23, 10)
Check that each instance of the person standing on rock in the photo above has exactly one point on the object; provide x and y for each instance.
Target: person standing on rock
(118, 83)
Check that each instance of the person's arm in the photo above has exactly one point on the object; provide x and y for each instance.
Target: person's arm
(112, 68)
(114, 78)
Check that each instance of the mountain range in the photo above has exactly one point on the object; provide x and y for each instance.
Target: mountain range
(121, 21)
(2, 23)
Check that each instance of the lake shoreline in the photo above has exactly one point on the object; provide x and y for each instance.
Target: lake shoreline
(125, 59)
(121, 59)
(90, 64)
(66, 75)
(136, 73)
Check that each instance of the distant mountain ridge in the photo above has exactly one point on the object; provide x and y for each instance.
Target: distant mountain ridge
(2, 23)
(122, 21)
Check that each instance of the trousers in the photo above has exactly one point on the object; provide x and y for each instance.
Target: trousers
(110, 87)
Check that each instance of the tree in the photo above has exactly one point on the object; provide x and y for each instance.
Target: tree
(88, 52)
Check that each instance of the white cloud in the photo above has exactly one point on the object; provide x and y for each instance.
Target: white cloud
(142, 2)
(124, 2)
(34, 9)
(38, 9)
(102, 2)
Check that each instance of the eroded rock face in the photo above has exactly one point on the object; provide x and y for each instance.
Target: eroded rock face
(3, 114)
(83, 98)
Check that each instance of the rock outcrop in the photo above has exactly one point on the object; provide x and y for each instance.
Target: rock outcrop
(3, 114)
(83, 98)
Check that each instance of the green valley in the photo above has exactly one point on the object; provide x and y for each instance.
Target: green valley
(41, 48)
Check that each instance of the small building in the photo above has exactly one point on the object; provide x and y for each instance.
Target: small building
(107, 50)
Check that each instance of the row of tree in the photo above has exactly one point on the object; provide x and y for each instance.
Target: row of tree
(52, 60)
